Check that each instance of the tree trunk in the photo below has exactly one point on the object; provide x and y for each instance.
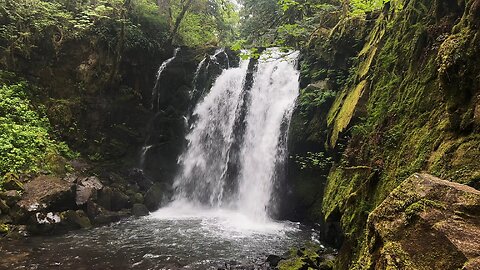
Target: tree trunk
(178, 21)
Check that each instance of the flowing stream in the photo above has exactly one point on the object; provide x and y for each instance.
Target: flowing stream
(224, 193)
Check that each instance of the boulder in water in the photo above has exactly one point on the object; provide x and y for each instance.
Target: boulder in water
(113, 199)
(76, 219)
(154, 196)
(140, 210)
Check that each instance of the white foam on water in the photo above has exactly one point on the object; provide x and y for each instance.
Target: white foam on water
(223, 222)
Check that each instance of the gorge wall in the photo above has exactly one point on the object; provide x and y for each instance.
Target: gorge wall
(399, 94)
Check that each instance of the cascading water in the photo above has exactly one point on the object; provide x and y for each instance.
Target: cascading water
(273, 96)
(266, 106)
(155, 90)
(204, 163)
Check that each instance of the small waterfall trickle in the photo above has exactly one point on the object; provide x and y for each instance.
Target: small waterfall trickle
(237, 140)
(155, 102)
(156, 90)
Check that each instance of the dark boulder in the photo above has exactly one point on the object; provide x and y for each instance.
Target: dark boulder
(273, 260)
(140, 210)
(76, 219)
(154, 197)
(4, 207)
(11, 182)
(113, 199)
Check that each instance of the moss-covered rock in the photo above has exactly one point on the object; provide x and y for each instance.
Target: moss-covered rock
(424, 209)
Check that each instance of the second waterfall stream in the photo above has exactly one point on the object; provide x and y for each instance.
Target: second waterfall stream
(237, 142)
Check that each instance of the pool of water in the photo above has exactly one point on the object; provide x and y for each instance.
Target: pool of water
(171, 238)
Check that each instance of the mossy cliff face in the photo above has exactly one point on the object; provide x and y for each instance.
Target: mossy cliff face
(409, 103)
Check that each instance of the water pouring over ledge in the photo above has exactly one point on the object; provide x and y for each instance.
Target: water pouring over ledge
(222, 208)
(241, 125)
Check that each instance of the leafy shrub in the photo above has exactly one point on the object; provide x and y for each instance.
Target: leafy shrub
(314, 161)
(25, 142)
(311, 98)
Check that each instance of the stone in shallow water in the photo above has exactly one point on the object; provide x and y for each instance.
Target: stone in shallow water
(153, 198)
(425, 223)
(48, 218)
(139, 210)
(77, 219)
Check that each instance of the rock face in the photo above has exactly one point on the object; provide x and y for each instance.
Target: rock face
(87, 189)
(425, 223)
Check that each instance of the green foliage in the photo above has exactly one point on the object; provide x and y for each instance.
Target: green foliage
(29, 24)
(311, 98)
(360, 7)
(294, 22)
(25, 142)
(317, 161)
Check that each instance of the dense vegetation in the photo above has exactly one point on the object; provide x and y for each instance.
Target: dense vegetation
(51, 30)
(25, 141)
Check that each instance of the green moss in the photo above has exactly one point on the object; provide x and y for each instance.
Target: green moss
(408, 127)
(297, 258)
(422, 206)
(4, 228)
(346, 112)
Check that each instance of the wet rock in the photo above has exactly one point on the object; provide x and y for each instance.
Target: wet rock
(120, 201)
(47, 218)
(135, 197)
(11, 197)
(140, 210)
(47, 193)
(87, 189)
(137, 177)
(106, 217)
(93, 209)
(77, 219)
(273, 260)
(425, 223)
(18, 231)
(99, 215)
(113, 199)
(105, 198)
(153, 197)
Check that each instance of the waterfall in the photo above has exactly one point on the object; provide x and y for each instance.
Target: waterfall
(155, 90)
(258, 110)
